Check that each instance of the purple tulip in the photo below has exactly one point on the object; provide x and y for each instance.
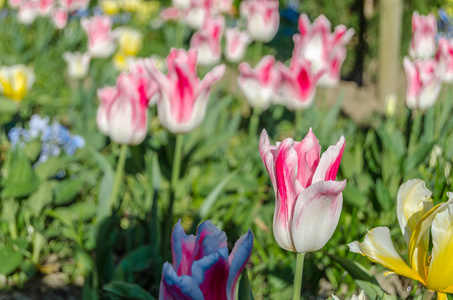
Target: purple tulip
(201, 266)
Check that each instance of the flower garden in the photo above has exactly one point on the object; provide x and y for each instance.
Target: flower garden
(219, 149)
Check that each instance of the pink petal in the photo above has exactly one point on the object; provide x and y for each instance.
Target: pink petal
(329, 163)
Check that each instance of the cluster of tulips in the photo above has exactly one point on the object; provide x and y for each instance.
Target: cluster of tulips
(432, 65)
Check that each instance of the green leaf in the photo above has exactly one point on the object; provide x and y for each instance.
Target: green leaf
(245, 288)
(10, 208)
(32, 150)
(418, 156)
(105, 189)
(383, 196)
(67, 189)
(211, 198)
(77, 211)
(52, 166)
(10, 260)
(40, 198)
(136, 260)
(123, 290)
(353, 196)
(20, 180)
(362, 277)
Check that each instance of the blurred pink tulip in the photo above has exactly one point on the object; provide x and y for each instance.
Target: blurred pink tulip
(308, 201)
(73, 5)
(197, 13)
(183, 97)
(28, 11)
(15, 3)
(45, 7)
(60, 18)
(444, 59)
(171, 14)
(298, 83)
(424, 30)
(207, 41)
(123, 112)
(325, 50)
(236, 44)
(101, 41)
(262, 18)
(423, 85)
(260, 85)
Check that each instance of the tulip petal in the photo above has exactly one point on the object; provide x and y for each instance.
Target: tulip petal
(308, 152)
(329, 163)
(182, 246)
(268, 153)
(378, 247)
(174, 287)
(316, 215)
(209, 240)
(288, 188)
(237, 260)
(440, 274)
(210, 273)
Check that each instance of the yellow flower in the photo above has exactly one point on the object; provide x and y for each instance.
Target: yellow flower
(146, 10)
(416, 215)
(129, 41)
(110, 7)
(16, 81)
(130, 5)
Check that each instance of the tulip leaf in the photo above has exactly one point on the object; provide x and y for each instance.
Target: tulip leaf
(353, 196)
(10, 260)
(364, 279)
(383, 196)
(245, 288)
(418, 156)
(52, 166)
(136, 260)
(67, 189)
(123, 290)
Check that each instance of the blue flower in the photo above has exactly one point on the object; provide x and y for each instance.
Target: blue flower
(18, 137)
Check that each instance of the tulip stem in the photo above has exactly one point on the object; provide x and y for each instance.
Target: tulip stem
(258, 49)
(299, 116)
(254, 121)
(427, 295)
(179, 35)
(298, 276)
(118, 174)
(176, 169)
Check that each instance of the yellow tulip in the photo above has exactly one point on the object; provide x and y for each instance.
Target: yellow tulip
(16, 81)
(130, 5)
(416, 215)
(129, 41)
(110, 7)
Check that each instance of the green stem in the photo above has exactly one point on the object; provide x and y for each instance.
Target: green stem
(118, 174)
(299, 116)
(254, 122)
(179, 35)
(415, 129)
(258, 49)
(176, 170)
(427, 294)
(298, 276)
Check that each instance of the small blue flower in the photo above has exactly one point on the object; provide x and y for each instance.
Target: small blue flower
(38, 125)
(18, 137)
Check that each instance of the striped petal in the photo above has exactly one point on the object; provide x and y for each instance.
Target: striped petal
(174, 287)
(329, 163)
(182, 247)
(237, 260)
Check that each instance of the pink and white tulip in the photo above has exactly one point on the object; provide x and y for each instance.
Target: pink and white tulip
(423, 85)
(298, 83)
(308, 200)
(123, 112)
(197, 13)
(236, 44)
(207, 41)
(45, 7)
(262, 18)
(73, 5)
(444, 58)
(424, 30)
(325, 50)
(101, 41)
(27, 13)
(183, 96)
(260, 85)
(59, 18)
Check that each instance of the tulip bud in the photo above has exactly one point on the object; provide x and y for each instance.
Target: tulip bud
(423, 85)
(16, 81)
(262, 18)
(260, 85)
(236, 44)
(444, 59)
(100, 39)
(78, 64)
(424, 30)
(308, 200)
(207, 41)
(183, 96)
